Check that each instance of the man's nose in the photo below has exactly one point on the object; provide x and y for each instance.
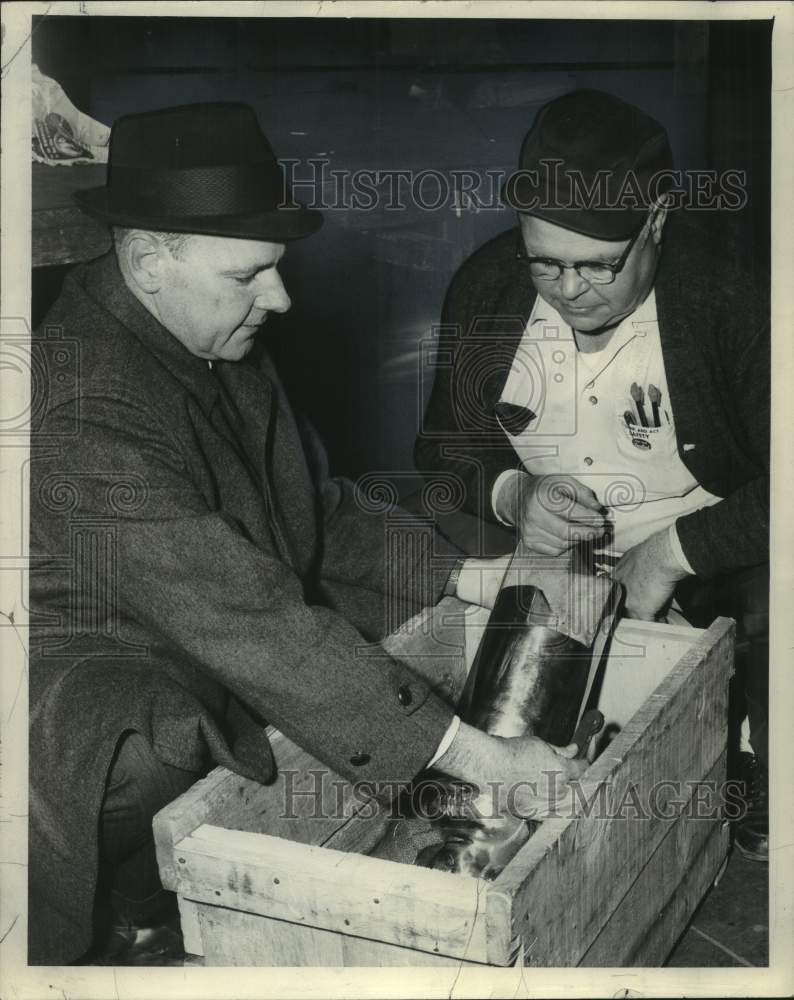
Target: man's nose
(272, 295)
(572, 284)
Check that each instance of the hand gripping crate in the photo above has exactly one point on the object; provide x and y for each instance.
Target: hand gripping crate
(611, 883)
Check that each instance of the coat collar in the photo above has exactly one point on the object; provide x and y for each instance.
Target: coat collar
(516, 297)
(105, 284)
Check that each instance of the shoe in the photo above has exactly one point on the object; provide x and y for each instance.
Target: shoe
(120, 941)
(751, 832)
(159, 945)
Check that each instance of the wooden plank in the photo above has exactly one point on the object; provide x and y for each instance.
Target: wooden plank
(651, 916)
(571, 875)
(662, 936)
(361, 952)
(653, 633)
(659, 939)
(233, 937)
(306, 803)
(360, 896)
(191, 930)
(208, 799)
(361, 832)
(322, 807)
(236, 938)
(641, 656)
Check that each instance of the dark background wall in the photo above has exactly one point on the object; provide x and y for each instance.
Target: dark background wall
(413, 94)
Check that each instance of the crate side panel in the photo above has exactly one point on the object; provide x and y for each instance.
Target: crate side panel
(236, 938)
(657, 906)
(216, 795)
(569, 878)
(353, 894)
(364, 953)
(641, 656)
(661, 937)
(191, 929)
(233, 937)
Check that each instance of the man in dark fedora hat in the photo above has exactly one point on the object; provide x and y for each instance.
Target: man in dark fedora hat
(606, 376)
(195, 572)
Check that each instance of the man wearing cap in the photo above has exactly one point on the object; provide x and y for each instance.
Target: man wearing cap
(603, 374)
(195, 572)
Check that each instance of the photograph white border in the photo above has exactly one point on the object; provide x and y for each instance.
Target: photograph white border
(19, 981)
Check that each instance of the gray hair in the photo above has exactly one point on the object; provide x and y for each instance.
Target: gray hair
(174, 241)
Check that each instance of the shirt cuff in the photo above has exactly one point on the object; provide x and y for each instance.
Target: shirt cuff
(678, 552)
(446, 740)
(501, 479)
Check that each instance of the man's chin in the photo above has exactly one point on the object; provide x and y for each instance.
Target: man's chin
(592, 321)
(585, 318)
(237, 351)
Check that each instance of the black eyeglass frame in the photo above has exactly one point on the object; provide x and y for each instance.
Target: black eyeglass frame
(614, 269)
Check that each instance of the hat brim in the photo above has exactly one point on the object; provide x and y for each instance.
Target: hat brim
(607, 224)
(290, 222)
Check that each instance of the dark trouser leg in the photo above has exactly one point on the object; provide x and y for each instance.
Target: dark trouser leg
(139, 784)
(743, 595)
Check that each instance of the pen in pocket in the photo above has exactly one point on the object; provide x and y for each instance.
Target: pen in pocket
(655, 397)
(639, 398)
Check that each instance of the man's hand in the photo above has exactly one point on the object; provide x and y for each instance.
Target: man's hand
(552, 513)
(522, 775)
(649, 572)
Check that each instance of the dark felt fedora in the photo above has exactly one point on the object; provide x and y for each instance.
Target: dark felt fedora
(592, 164)
(199, 168)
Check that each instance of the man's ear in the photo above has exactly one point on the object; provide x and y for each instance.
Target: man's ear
(144, 256)
(659, 219)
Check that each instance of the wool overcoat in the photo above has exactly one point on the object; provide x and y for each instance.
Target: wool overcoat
(196, 573)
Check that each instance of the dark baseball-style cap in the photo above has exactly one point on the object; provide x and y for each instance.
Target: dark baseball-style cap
(593, 164)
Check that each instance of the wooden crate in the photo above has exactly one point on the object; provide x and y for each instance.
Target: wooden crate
(612, 885)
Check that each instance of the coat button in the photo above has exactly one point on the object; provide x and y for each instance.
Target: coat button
(588, 461)
(593, 399)
(404, 695)
(359, 759)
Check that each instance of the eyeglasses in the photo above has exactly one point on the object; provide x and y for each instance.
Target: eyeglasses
(593, 271)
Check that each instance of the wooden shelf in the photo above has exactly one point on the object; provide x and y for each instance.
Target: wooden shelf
(61, 232)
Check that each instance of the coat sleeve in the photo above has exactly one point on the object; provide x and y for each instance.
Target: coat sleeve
(235, 611)
(734, 533)
(460, 439)
(378, 564)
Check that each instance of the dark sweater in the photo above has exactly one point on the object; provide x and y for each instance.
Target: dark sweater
(714, 331)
